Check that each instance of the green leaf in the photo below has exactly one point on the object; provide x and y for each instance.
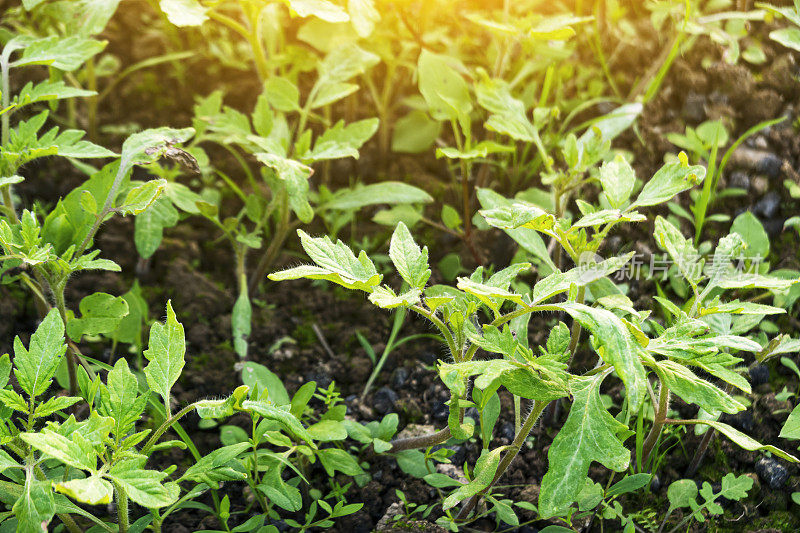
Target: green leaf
(36, 366)
(445, 91)
(184, 12)
(788, 37)
(415, 133)
(141, 197)
(753, 234)
(241, 323)
(746, 442)
(35, 508)
(260, 378)
(144, 486)
(120, 399)
(75, 451)
(682, 493)
(617, 178)
(589, 434)
(387, 192)
(282, 94)
(363, 16)
(46, 91)
(485, 469)
(340, 141)
(519, 215)
(63, 53)
(693, 389)
(343, 63)
(680, 249)
(670, 180)
(294, 176)
(335, 262)
(220, 465)
(480, 150)
(327, 11)
(335, 459)
(149, 146)
(57, 403)
(289, 422)
(582, 275)
(509, 116)
(5, 370)
(410, 261)
(150, 224)
(101, 313)
(791, 428)
(92, 490)
(165, 352)
(616, 345)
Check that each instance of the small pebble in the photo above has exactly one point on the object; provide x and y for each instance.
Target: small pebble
(770, 166)
(772, 472)
(384, 399)
(768, 205)
(739, 180)
(399, 377)
(655, 483)
(440, 412)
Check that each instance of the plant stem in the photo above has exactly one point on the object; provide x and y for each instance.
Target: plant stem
(423, 441)
(165, 426)
(510, 455)
(122, 507)
(5, 118)
(58, 293)
(659, 419)
(271, 253)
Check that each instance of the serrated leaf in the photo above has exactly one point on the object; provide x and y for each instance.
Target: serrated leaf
(289, 422)
(35, 508)
(387, 192)
(385, 298)
(144, 486)
(410, 261)
(75, 451)
(680, 249)
(120, 398)
(295, 176)
(220, 465)
(588, 435)
(63, 53)
(519, 215)
(616, 346)
(671, 179)
(580, 276)
(141, 197)
(327, 11)
(166, 355)
(693, 389)
(36, 366)
(336, 263)
(485, 469)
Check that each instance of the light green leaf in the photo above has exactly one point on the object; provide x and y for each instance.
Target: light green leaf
(144, 486)
(746, 442)
(220, 465)
(753, 234)
(289, 422)
(385, 298)
(141, 197)
(387, 192)
(617, 178)
(240, 323)
(680, 249)
(101, 313)
(260, 378)
(445, 91)
(693, 389)
(589, 434)
(791, 428)
(120, 399)
(165, 352)
(582, 275)
(363, 16)
(295, 176)
(410, 261)
(63, 53)
(92, 490)
(671, 179)
(327, 11)
(485, 469)
(75, 451)
(149, 226)
(36, 366)
(616, 346)
(519, 215)
(184, 12)
(35, 508)
(788, 37)
(415, 133)
(335, 262)
(282, 94)
(337, 460)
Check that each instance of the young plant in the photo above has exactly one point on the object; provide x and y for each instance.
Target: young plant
(541, 376)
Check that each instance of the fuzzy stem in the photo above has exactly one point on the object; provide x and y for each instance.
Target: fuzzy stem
(165, 426)
(660, 418)
(423, 441)
(510, 455)
(122, 507)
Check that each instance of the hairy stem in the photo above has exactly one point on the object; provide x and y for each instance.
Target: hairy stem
(510, 455)
(122, 507)
(659, 420)
(165, 426)
(423, 441)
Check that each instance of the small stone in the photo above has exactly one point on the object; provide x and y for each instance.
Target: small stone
(384, 399)
(507, 431)
(773, 473)
(768, 205)
(399, 377)
(440, 412)
(427, 358)
(742, 420)
(770, 166)
(739, 180)
(759, 374)
(694, 107)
